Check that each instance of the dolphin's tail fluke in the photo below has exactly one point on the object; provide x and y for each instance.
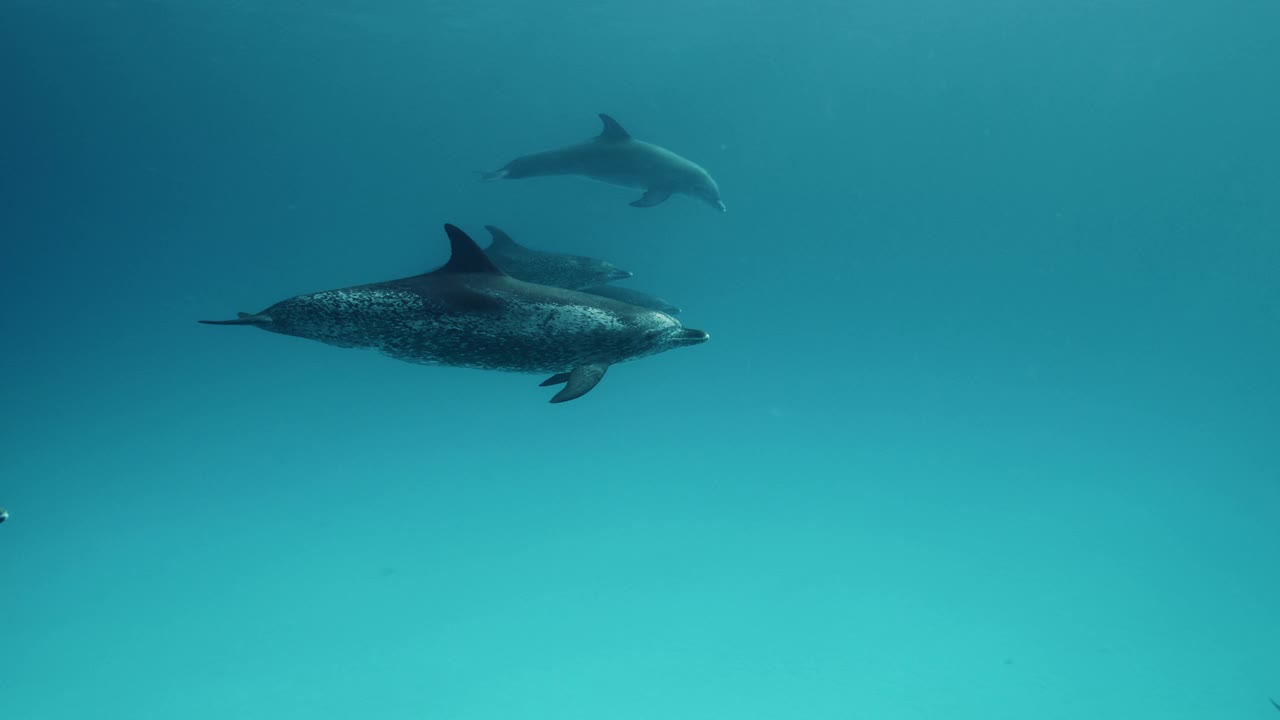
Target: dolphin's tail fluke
(244, 319)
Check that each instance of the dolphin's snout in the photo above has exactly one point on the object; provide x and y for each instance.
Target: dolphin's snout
(689, 336)
(720, 206)
(620, 274)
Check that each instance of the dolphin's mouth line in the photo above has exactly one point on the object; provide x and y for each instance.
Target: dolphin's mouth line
(690, 336)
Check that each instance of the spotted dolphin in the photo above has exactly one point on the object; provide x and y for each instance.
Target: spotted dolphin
(468, 313)
(572, 272)
(633, 297)
(616, 158)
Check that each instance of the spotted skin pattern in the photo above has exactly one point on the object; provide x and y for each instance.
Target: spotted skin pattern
(480, 321)
(469, 313)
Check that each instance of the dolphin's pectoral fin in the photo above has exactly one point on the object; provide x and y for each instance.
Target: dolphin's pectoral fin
(651, 197)
(580, 382)
(557, 379)
(241, 319)
(1273, 702)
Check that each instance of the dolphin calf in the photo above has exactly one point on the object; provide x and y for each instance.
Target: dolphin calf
(616, 158)
(572, 272)
(633, 297)
(468, 313)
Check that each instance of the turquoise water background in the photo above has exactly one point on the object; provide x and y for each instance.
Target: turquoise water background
(988, 426)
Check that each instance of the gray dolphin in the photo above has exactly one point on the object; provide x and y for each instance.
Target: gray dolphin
(616, 158)
(633, 297)
(469, 313)
(572, 272)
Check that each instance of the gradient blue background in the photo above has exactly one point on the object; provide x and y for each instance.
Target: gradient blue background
(988, 427)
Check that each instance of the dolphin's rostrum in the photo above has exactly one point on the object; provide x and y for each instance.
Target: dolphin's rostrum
(616, 158)
(469, 313)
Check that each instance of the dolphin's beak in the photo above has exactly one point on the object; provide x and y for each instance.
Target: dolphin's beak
(620, 274)
(689, 336)
(720, 206)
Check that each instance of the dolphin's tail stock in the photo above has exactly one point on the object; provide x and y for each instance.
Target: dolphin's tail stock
(243, 319)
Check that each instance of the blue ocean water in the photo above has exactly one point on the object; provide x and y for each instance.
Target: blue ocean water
(987, 426)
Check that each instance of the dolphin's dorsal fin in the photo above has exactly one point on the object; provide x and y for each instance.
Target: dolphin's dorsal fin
(501, 240)
(466, 256)
(612, 132)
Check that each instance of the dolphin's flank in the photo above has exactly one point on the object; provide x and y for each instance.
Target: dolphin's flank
(469, 313)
